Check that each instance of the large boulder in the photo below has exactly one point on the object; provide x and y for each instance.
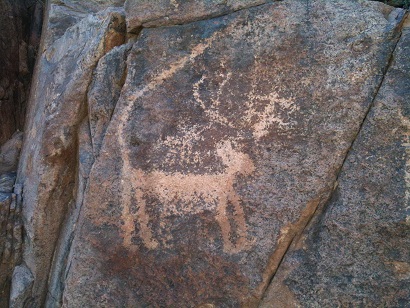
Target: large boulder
(178, 153)
(227, 137)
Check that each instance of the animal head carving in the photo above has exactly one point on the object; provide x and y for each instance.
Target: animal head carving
(236, 161)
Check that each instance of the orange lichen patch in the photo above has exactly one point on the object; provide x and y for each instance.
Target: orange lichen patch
(402, 269)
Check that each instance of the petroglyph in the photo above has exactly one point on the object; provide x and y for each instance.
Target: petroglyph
(259, 119)
(128, 226)
(198, 193)
(188, 193)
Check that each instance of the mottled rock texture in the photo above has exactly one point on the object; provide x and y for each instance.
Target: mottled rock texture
(149, 13)
(50, 159)
(357, 252)
(10, 222)
(176, 152)
(397, 3)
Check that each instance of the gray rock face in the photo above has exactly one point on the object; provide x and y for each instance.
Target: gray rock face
(10, 234)
(59, 106)
(21, 288)
(10, 153)
(104, 91)
(20, 26)
(215, 162)
(219, 132)
(170, 12)
(357, 253)
(7, 182)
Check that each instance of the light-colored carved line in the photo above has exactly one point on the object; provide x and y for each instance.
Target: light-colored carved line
(214, 189)
(128, 227)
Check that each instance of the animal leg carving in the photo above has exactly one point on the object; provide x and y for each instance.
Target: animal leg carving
(224, 224)
(239, 218)
(143, 219)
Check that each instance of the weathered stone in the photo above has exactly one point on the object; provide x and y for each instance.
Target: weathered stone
(103, 94)
(397, 3)
(109, 78)
(228, 136)
(10, 153)
(357, 253)
(21, 288)
(48, 167)
(7, 182)
(5, 249)
(149, 13)
(8, 244)
(63, 14)
(180, 176)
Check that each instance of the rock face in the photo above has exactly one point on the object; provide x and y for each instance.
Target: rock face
(148, 13)
(20, 27)
(357, 253)
(49, 162)
(216, 154)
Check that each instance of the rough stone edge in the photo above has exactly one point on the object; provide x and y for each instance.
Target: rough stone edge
(151, 23)
(63, 252)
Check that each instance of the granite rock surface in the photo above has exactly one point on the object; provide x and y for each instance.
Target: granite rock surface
(216, 154)
(357, 252)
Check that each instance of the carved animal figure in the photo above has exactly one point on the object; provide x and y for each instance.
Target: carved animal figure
(214, 191)
(196, 192)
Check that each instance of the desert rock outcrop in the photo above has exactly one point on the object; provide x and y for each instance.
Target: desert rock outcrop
(216, 154)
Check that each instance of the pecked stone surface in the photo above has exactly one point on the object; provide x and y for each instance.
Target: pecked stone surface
(358, 252)
(227, 137)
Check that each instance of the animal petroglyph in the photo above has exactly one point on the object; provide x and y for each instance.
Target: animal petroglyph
(197, 193)
(187, 193)
(262, 111)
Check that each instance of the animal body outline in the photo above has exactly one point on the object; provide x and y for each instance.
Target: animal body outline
(131, 176)
(215, 190)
